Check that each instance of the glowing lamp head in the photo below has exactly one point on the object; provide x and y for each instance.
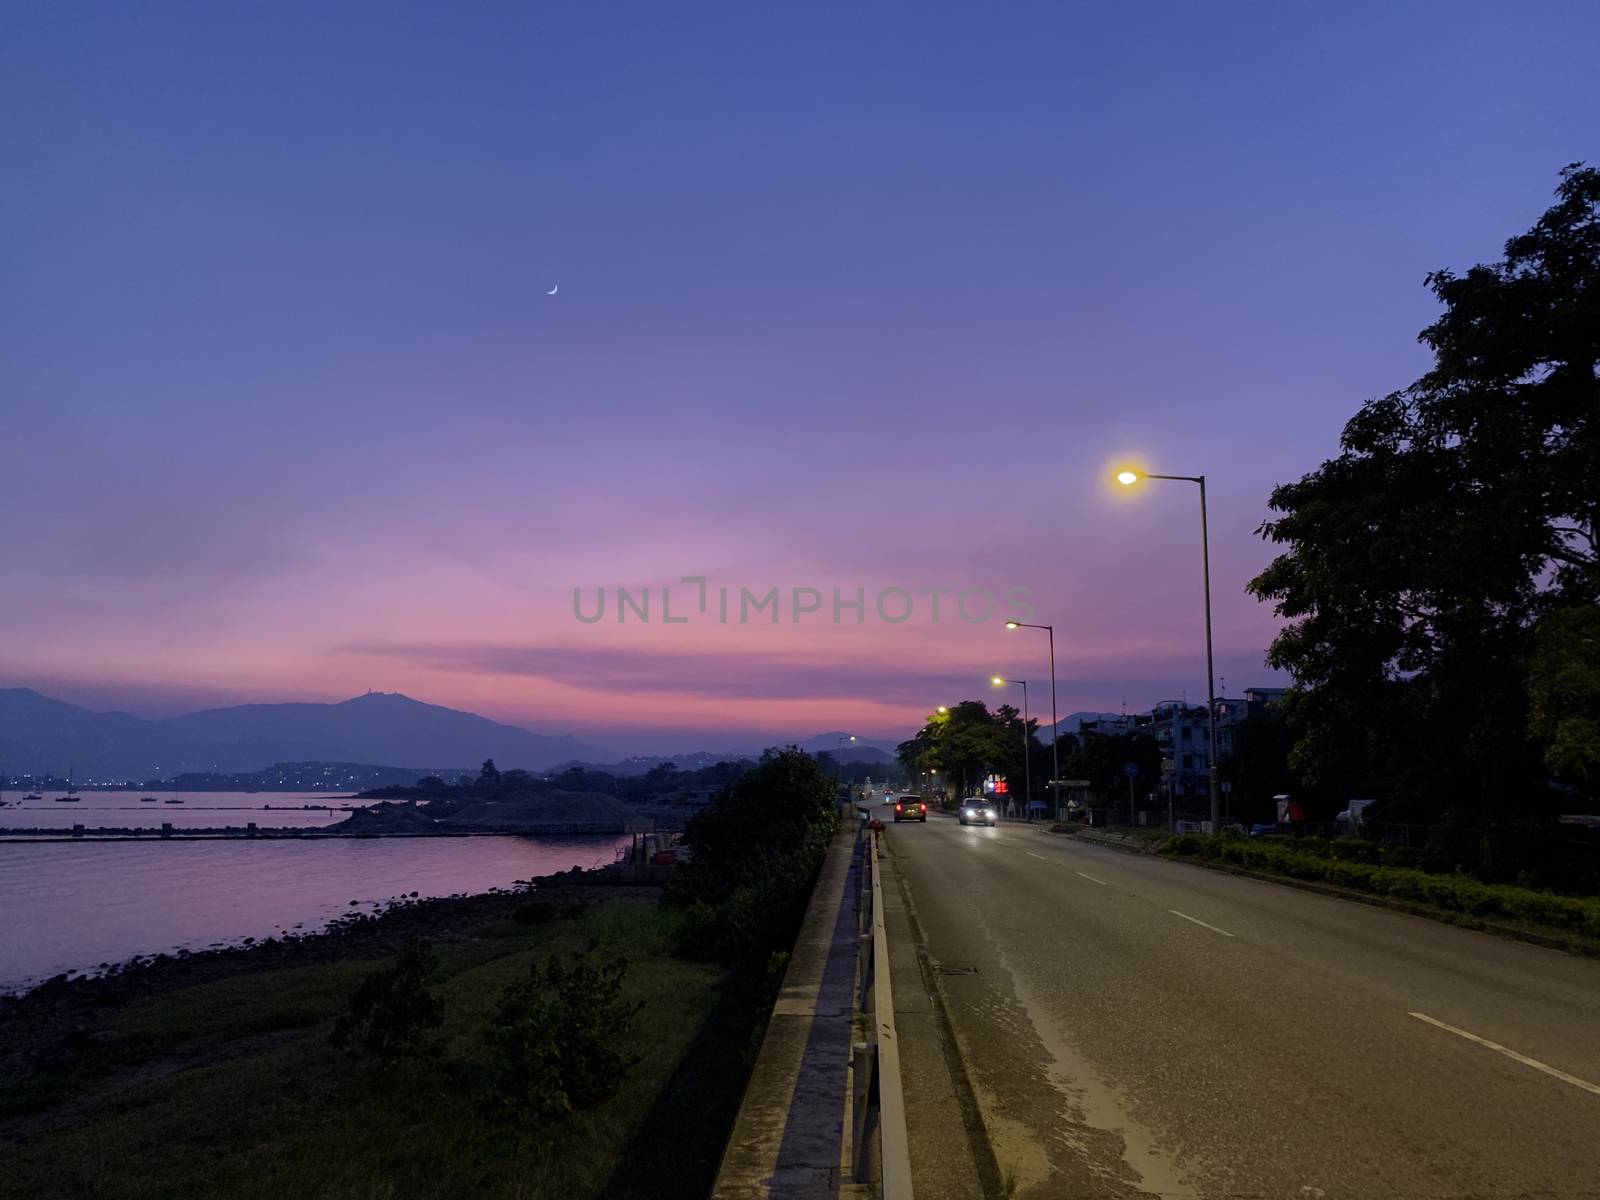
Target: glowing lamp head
(943, 709)
(1127, 478)
(997, 680)
(1012, 625)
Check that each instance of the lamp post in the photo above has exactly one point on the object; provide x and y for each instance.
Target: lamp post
(1214, 785)
(1027, 767)
(1055, 733)
(838, 762)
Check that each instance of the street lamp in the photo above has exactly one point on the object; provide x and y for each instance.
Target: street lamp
(1027, 768)
(1214, 785)
(1055, 733)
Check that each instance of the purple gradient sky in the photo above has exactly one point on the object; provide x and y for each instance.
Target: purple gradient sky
(846, 298)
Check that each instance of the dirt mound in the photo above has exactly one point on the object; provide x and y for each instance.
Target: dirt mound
(542, 810)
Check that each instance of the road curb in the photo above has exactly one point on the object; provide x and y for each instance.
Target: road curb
(983, 1156)
(787, 1137)
(1126, 845)
(1442, 915)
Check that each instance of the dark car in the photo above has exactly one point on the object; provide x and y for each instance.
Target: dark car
(974, 811)
(910, 808)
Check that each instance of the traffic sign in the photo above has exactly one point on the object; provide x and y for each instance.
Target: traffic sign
(1130, 770)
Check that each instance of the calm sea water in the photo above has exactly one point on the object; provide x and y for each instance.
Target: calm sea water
(73, 905)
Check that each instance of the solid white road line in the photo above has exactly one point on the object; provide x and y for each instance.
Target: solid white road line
(1198, 921)
(1511, 1054)
(1092, 879)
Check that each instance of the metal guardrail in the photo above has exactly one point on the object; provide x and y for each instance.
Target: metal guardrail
(880, 1148)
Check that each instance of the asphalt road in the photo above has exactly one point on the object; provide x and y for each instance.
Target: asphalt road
(1133, 1026)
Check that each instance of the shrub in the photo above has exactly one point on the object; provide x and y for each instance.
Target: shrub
(1355, 850)
(755, 854)
(392, 1011)
(555, 1041)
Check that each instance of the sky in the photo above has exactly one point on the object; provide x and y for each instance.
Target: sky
(846, 296)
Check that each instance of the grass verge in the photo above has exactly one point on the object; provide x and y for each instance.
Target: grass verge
(1452, 897)
(229, 1088)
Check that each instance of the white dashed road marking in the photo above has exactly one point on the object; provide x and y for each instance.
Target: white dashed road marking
(1092, 879)
(1511, 1054)
(1199, 922)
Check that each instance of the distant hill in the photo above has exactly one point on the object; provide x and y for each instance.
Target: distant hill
(38, 734)
(638, 764)
(383, 727)
(866, 750)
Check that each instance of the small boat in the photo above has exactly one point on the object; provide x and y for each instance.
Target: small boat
(147, 800)
(33, 796)
(172, 802)
(66, 799)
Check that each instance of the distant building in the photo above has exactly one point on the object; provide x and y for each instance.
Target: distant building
(1105, 723)
(1182, 732)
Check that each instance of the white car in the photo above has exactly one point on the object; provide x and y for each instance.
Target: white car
(976, 811)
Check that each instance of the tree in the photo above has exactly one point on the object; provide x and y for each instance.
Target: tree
(488, 776)
(661, 777)
(1564, 693)
(1101, 759)
(754, 854)
(966, 743)
(1458, 511)
(1258, 768)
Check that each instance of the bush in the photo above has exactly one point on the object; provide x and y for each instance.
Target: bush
(392, 1011)
(555, 1040)
(755, 855)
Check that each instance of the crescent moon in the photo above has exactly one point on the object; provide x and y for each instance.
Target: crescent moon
(553, 290)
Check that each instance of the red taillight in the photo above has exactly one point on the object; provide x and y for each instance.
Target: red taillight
(899, 808)
(923, 807)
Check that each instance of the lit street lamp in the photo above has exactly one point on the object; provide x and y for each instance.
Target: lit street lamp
(1128, 479)
(1027, 768)
(1055, 733)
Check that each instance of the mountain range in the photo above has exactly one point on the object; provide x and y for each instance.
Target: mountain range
(39, 734)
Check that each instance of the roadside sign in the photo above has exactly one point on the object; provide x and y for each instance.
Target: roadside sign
(1130, 770)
